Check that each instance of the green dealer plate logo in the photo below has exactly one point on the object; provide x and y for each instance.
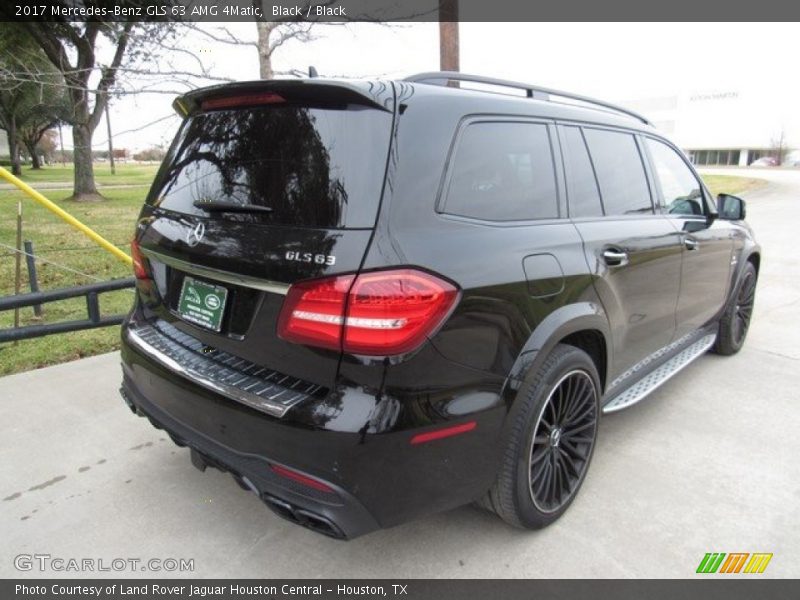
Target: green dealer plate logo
(202, 303)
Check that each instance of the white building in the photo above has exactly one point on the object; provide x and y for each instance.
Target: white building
(726, 126)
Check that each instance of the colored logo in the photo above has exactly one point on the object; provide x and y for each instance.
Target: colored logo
(212, 301)
(735, 562)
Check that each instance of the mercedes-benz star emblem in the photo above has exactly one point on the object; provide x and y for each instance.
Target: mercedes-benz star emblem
(195, 236)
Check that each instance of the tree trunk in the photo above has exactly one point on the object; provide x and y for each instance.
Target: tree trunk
(264, 51)
(84, 189)
(35, 162)
(13, 147)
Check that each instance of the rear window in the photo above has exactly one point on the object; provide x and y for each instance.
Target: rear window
(314, 167)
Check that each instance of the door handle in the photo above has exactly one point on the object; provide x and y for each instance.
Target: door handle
(691, 243)
(615, 258)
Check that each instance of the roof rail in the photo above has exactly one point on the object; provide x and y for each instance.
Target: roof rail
(531, 91)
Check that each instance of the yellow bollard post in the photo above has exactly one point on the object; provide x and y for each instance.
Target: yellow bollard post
(64, 215)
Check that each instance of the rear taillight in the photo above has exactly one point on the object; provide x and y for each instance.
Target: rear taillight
(381, 313)
(312, 312)
(139, 262)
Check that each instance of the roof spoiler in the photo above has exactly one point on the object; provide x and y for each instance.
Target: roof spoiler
(373, 94)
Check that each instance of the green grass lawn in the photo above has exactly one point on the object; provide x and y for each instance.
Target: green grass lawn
(729, 184)
(126, 174)
(55, 241)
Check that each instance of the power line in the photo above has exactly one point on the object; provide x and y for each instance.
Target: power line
(139, 128)
(50, 262)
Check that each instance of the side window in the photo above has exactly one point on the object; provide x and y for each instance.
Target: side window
(620, 172)
(583, 196)
(503, 171)
(682, 192)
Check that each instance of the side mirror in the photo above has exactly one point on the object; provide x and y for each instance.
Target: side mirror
(730, 208)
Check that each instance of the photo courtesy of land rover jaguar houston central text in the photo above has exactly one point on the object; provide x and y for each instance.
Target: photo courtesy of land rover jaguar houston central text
(370, 301)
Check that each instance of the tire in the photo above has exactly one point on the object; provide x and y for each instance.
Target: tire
(735, 321)
(541, 474)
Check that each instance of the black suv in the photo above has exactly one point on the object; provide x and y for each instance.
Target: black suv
(374, 300)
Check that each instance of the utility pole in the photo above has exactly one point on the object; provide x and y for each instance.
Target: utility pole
(110, 145)
(448, 36)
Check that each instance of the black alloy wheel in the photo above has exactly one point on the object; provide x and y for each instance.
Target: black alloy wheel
(735, 320)
(563, 441)
(553, 429)
(743, 311)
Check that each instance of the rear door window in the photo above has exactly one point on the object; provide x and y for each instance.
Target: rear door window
(620, 172)
(314, 167)
(503, 171)
(583, 195)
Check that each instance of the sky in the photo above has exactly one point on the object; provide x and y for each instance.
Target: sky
(620, 62)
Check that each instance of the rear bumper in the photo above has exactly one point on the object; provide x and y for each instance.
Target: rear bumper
(336, 514)
(355, 444)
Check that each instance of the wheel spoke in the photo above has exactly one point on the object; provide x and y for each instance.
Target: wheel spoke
(576, 429)
(567, 474)
(578, 402)
(570, 465)
(573, 452)
(578, 418)
(551, 488)
(557, 482)
(540, 468)
(543, 479)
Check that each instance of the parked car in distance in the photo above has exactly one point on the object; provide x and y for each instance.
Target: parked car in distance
(765, 161)
(373, 300)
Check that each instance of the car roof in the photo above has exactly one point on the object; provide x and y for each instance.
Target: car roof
(496, 96)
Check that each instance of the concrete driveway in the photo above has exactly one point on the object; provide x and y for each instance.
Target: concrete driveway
(709, 463)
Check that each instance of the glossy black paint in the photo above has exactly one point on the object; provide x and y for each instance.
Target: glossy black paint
(525, 286)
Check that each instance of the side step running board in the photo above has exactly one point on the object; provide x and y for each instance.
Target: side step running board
(639, 390)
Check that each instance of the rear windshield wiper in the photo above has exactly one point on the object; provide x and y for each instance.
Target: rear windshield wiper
(230, 207)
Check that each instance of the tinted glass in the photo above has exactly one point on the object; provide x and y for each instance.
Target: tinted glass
(314, 167)
(503, 172)
(620, 172)
(680, 189)
(583, 196)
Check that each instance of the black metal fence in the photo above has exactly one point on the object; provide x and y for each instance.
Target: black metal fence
(90, 291)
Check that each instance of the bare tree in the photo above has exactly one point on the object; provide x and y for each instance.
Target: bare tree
(74, 48)
(271, 36)
(31, 96)
(779, 148)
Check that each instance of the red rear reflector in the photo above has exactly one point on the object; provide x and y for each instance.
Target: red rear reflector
(302, 479)
(439, 434)
(139, 262)
(244, 100)
(388, 312)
